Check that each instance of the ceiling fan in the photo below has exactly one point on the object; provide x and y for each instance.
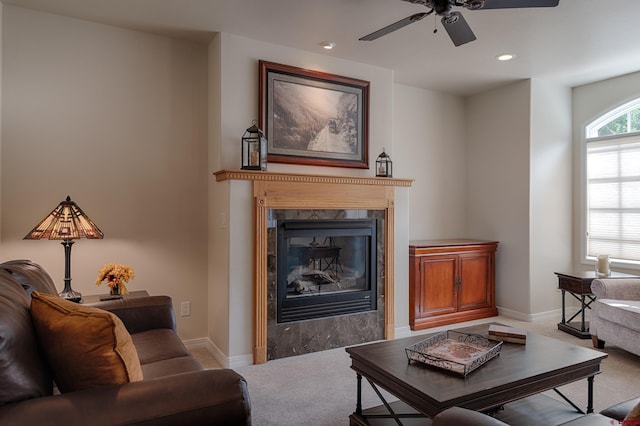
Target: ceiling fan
(453, 22)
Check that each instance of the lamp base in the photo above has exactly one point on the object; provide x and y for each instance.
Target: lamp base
(71, 295)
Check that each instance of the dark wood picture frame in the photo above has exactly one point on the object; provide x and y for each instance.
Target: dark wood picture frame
(314, 118)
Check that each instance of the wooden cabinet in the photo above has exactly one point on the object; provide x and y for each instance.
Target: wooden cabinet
(451, 281)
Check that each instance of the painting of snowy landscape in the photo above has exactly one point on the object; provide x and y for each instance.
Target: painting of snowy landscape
(312, 121)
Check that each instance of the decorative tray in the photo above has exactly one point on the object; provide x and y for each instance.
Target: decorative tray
(459, 353)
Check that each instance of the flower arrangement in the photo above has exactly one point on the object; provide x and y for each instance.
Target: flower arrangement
(116, 275)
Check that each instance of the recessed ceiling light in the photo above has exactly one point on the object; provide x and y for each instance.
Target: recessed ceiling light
(505, 57)
(328, 45)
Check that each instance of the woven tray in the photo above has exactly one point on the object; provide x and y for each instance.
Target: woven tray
(459, 353)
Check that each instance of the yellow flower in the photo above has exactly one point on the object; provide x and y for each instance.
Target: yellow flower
(116, 274)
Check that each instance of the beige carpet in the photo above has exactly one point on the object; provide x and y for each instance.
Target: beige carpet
(319, 389)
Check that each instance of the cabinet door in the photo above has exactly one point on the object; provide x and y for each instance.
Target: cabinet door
(437, 285)
(476, 281)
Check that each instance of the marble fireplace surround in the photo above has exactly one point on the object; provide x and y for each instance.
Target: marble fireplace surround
(273, 190)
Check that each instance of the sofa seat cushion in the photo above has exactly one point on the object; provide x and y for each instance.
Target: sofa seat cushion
(162, 353)
(623, 312)
(171, 366)
(157, 345)
(85, 347)
(23, 372)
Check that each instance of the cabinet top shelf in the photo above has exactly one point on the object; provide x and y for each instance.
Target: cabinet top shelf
(448, 242)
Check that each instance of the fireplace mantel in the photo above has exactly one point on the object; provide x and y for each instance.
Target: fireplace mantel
(228, 174)
(275, 190)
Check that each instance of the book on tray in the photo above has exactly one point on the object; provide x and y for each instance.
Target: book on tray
(505, 333)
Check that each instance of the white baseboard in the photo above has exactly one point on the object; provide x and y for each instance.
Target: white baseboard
(401, 332)
(520, 316)
(225, 361)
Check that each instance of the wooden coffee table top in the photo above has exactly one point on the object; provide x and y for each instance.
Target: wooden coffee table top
(519, 371)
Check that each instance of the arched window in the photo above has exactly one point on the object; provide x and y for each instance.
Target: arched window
(613, 184)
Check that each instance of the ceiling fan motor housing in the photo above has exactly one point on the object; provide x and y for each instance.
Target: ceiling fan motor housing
(442, 7)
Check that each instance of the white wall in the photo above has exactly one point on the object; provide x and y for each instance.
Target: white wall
(117, 119)
(519, 190)
(430, 147)
(497, 160)
(550, 193)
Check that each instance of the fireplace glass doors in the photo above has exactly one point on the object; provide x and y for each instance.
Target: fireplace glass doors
(325, 268)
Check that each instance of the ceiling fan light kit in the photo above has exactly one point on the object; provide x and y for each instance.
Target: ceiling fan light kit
(453, 22)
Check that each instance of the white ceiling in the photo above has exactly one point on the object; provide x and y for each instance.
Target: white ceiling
(578, 42)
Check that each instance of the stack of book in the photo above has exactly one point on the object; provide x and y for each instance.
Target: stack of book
(505, 333)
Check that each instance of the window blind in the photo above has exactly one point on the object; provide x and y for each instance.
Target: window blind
(613, 197)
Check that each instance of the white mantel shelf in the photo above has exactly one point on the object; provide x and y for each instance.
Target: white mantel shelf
(229, 174)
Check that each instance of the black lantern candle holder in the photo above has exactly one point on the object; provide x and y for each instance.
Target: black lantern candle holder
(384, 166)
(254, 149)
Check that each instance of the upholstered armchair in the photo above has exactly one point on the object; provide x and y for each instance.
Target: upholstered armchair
(615, 314)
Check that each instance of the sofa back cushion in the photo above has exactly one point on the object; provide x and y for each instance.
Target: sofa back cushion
(23, 371)
(30, 275)
(86, 347)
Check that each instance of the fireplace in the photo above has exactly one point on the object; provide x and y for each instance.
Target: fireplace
(325, 268)
(278, 191)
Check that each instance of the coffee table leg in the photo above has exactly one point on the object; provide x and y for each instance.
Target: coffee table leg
(359, 398)
(590, 394)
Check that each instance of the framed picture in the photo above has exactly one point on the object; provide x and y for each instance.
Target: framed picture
(315, 118)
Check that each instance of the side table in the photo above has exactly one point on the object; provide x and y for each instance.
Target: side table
(578, 284)
(94, 299)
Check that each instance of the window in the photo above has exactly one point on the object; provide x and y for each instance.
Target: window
(613, 184)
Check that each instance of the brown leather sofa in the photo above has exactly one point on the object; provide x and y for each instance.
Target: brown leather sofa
(175, 389)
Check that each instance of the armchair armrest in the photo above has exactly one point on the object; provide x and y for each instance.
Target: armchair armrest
(195, 398)
(616, 288)
(464, 417)
(142, 313)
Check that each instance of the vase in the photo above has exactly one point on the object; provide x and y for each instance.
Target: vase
(115, 290)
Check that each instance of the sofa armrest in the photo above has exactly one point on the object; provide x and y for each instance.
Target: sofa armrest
(196, 398)
(464, 417)
(142, 313)
(616, 288)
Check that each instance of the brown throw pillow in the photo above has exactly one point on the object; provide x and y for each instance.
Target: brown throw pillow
(633, 416)
(85, 347)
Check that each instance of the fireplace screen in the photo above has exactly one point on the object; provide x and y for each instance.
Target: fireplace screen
(325, 268)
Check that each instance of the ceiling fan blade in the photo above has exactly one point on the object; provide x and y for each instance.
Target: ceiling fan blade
(457, 28)
(511, 4)
(395, 26)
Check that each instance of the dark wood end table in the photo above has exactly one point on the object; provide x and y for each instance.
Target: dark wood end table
(578, 284)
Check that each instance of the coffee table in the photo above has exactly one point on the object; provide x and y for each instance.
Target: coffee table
(519, 371)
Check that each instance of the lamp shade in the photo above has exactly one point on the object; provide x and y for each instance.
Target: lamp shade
(65, 222)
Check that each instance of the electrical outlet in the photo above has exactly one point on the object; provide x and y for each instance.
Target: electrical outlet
(185, 309)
